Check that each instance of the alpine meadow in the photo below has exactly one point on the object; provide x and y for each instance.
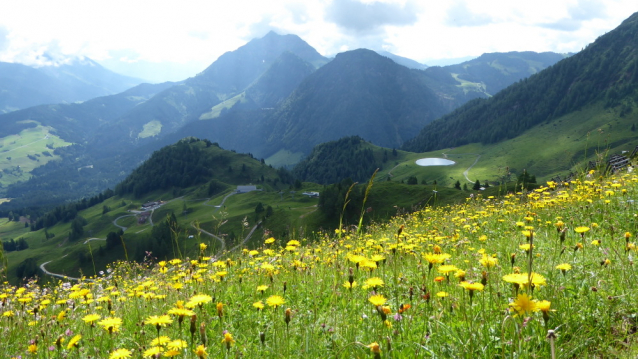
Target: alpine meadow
(342, 201)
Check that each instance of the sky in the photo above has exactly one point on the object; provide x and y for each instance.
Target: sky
(163, 40)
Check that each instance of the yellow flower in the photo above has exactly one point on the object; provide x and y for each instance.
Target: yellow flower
(111, 324)
(564, 267)
(74, 342)
(200, 351)
(275, 301)
(159, 321)
(270, 240)
(447, 268)
(202, 246)
(472, 286)
(161, 341)
(488, 261)
(374, 282)
(523, 304)
(374, 348)
(262, 288)
(198, 300)
(259, 305)
(177, 344)
(120, 354)
(153, 352)
(442, 294)
(377, 300)
(434, 258)
(91, 318)
(581, 230)
(228, 340)
(543, 306)
(32, 349)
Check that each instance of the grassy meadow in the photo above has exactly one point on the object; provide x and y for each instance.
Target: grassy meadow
(541, 274)
(36, 142)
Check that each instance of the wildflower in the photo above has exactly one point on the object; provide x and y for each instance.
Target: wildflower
(275, 301)
(262, 288)
(177, 344)
(595, 242)
(523, 304)
(442, 294)
(270, 240)
(488, 261)
(439, 279)
(161, 341)
(159, 321)
(220, 309)
(74, 342)
(202, 246)
(33, 348)
(404, 307)
(460, 274)
(259, 305)
(181, 313)
(198, 300)
(581, 230)
(447, 269)
(91, 318)
(375, 349)
(228, 340)
(544, 307)
(564, 267)
(377, 300)
(111, 324)
(374, 283)
(200, 351)
(120, 354)
(153, 352)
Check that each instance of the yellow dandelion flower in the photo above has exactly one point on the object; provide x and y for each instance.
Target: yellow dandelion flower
(200, 351)
(74, 342)
(161, 341)
(377, 300)
(374, 282)
(91, 318)
(523, 304)
(153, 352)
(259, 305)
(447, 269)
(120, 354)
(275, 301)
(581, 230)
(198, 300)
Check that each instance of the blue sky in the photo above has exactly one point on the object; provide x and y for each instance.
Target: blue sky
(171, 40)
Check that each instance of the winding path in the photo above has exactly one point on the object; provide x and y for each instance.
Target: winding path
(221, 240)
(467, 171)
(56, 275)
(120, 217)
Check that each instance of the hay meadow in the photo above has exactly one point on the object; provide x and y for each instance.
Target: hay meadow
(547, 273)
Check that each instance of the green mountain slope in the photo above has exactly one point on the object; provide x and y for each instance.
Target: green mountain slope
(349, 157)
(605, 72)
(358, 93)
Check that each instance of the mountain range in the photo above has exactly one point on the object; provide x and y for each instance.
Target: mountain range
(75, 80)
(275, 97)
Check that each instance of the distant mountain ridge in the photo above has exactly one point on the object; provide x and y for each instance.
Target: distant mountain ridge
(24, 86)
